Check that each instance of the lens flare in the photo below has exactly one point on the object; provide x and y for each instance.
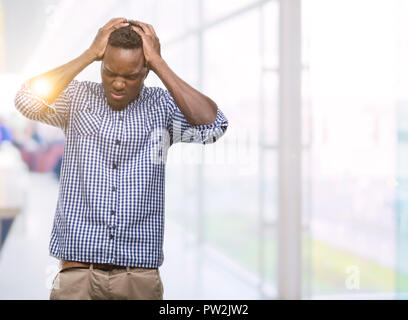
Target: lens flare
(41, 87)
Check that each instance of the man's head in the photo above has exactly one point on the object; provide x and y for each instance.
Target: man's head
(123, 67)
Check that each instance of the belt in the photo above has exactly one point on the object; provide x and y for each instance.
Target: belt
(101, 266)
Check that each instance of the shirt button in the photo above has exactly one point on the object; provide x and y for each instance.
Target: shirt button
(112, 212)
(117, 142)
(89, 109)
(114, 166)
(111, 236)
(113, 189)
(120, 118)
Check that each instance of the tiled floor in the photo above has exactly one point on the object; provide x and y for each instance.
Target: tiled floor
(27, 270)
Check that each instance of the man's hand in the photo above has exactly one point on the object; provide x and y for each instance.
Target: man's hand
(151, 43)
(101, 40)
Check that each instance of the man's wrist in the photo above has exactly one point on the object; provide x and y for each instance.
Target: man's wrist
(89, 56)
(156, 64)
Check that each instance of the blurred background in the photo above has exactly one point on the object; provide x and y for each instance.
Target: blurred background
(305, 196)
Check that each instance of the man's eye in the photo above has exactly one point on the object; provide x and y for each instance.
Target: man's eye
(133, 76)
(108, 73)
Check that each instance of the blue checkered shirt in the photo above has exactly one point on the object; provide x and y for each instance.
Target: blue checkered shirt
(110, 206)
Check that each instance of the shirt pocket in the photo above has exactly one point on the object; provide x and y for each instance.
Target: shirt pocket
(87, 121)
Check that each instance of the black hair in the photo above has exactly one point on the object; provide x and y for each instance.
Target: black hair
(126, 38)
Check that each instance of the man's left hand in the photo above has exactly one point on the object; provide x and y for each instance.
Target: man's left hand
(151, 43)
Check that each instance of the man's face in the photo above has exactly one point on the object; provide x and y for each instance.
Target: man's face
(123, 72)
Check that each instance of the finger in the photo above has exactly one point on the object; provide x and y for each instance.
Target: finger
(144, 27)
(113, 22)
(150, 27)
(138, 27)
(133, 23)
(139, 31)
(119, 25)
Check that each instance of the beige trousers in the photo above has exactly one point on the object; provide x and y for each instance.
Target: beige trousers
(117, 284)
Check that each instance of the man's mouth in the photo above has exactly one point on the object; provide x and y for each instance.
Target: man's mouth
(117, 96)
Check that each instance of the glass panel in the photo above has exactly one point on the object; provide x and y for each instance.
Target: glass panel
(183, 159)
(232, 79)
(269, 110)
(215, 9)
(269, 180)
(350, 189)
(402, 200)
(270, 251)
(231, 74)
(270, 35)
(175, 17)
(402, 153)
(182, 58)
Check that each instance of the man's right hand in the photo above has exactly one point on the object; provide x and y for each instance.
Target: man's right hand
(49, 85)
(101, 40)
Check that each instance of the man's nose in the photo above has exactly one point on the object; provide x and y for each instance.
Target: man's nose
(118, 84)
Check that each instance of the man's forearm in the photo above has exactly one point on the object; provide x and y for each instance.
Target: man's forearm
(59, 78)
(49, 85)
(197, 108)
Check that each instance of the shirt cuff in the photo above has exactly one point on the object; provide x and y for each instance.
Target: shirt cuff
(220, 122)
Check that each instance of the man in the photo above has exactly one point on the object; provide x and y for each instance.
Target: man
(109, 221)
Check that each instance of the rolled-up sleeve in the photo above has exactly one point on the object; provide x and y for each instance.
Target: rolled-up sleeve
(35, 108)
(181, 131)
